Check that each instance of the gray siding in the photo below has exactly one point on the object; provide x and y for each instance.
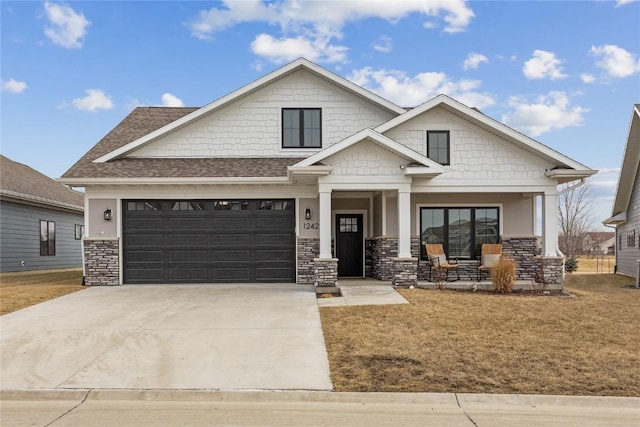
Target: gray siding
(627, 257)
(20, 238)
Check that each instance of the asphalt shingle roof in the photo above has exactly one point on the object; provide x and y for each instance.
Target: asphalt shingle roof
(22, 182)
(144, 120)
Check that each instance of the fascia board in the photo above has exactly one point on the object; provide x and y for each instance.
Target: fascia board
(81, 182)
(300, 63)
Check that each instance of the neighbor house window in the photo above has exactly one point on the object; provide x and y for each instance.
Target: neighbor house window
(79, 231)
(301, 128)
(631, 238)
(462, 231)
(438, 146)
(47, 238)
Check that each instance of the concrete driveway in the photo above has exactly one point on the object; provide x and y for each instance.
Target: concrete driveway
(235, 337)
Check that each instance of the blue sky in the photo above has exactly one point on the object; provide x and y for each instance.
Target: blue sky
(566, 73)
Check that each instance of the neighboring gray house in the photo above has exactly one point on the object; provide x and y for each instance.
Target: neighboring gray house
(626, 207)
(41, 220)
(303, 176)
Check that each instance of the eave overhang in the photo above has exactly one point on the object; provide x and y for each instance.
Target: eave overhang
(621, 218)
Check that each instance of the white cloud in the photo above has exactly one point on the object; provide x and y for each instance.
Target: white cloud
(474, 60)
(13, 86)
(620, 3)
(542, 65)
(409, 91)
(170, 100)
(67, 28)
(587, 78)
(383, 44)
(616, 61)
(95, 100)
(287, 49)
(549, 112)
(317, 24)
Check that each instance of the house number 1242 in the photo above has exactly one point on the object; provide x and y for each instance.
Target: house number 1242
(311, 226)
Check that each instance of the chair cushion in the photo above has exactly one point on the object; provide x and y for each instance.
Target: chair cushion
(440, 259)
(488, 260)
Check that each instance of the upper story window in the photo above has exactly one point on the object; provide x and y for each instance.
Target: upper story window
(301, 128)
(438, 146)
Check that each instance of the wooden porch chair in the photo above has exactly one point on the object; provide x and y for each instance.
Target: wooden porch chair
(491, 253)
(438, 261)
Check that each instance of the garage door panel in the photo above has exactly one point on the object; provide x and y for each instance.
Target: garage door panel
(145, 240)
(191, 239)
(142, 224)
(240, 255)
(189, 223)
(229, 224)
(188, 275)
(146, 257)
(209, 244)
(188, 256)
(217, 239)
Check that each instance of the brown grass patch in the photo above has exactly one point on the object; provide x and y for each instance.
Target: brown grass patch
(470, 343)
(600, 264)
(20, 290)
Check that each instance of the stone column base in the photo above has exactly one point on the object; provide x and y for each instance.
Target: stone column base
(101, 262)
(550, 270)
(325, 272)
(405, 272)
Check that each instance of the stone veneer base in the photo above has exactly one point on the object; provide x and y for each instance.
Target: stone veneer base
(325, 272)
(101, 262)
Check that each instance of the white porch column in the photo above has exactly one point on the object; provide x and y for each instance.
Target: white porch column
(550, 224)
(325, 223)
(404, 222)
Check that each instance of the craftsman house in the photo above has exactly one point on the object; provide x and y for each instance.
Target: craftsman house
(626, 215)
(303, 176)
(42, 221)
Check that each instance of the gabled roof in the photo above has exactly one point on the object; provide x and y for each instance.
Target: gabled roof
(628, 170)
(246, 90)
(144, 120)
(21, 183)
(379, 139)
(475, 116)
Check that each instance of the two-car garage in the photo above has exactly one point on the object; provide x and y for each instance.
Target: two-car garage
(208, 241)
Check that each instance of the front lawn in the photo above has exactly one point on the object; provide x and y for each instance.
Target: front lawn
(448, 341)
(20, 290)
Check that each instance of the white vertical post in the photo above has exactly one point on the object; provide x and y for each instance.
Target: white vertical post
(404, 223)
(383, 205)
(325, 223)
(550, 224)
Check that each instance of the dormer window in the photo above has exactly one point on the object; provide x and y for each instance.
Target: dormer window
(301, 128)
(438, 147)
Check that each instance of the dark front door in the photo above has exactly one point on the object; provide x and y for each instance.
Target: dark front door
(349, 246)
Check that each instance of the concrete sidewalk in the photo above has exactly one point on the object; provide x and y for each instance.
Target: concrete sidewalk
(241, 337)
(60, 408)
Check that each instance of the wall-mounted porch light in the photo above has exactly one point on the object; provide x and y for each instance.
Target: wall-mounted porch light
(107, 214)
(307, 214)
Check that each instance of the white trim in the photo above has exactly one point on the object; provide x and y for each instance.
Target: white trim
(298, 64)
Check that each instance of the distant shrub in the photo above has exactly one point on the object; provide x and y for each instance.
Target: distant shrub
(503, 275)
(570, 265)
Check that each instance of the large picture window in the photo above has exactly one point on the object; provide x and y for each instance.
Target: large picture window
(461, 230)
(47, 238)
(301, 128)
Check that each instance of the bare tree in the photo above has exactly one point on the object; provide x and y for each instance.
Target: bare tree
(575, 213)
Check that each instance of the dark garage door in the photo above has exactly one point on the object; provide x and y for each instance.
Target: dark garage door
(208, 241)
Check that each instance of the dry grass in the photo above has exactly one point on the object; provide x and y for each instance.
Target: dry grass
(20, 290)
(601, 264)
(447, 341)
